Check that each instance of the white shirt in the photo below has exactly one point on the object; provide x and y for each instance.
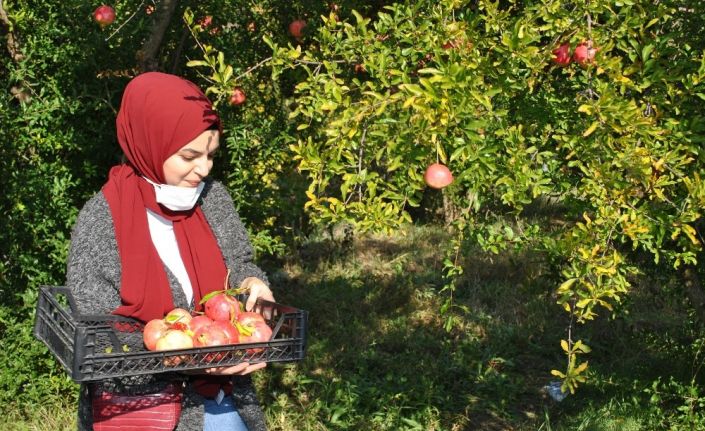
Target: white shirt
(162, 232)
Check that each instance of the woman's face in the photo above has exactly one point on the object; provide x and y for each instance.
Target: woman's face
(188, 166)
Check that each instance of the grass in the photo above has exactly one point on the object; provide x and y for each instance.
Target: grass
(379, 359)
(55, 416)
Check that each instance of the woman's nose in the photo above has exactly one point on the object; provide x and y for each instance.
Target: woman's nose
(202, 166)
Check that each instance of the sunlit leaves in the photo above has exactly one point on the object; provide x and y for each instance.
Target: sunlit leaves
(615, 145)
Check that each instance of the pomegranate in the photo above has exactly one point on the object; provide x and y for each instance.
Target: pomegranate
(104, 15)
(561, 55)
(584, 53)
(178, 318)
(250, 318)
(153, 331)
(174, 339)
(238, 97)
(222, 307)
(255, 333)
(229, 330)
(296, 28)
(438, 176)
(208, 336)
(206, 21)
(199, 322)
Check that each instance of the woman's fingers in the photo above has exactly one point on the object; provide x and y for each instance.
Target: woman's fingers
(239, 369)
(235, 369)
(258, 289)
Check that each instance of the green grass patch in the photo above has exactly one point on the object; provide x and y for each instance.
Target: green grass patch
(379, 359)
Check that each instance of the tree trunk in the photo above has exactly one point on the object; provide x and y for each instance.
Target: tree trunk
(694, 290)
(147, 57)
(450, 209)
(13, 46)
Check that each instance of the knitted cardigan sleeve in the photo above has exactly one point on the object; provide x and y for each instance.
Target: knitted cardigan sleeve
(93, 269)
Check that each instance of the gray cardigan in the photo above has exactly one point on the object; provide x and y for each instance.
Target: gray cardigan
(93, 275)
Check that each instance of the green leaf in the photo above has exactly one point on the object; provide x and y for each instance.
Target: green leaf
(196, 63)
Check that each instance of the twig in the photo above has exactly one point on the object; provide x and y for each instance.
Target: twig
(125, 22)
(570, 329)
(248, 71)
(359, 162)
(319, 63)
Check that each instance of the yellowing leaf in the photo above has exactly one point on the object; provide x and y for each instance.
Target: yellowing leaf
(591, 129)
(623, 79)
(586, 109)
(580, 368)
(408, 102)
(558, 374)
(566, 285)
(587, 218)
(690, 232)
(583, 303)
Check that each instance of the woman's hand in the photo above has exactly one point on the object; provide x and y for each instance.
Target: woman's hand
(240, 369)
(257, 289)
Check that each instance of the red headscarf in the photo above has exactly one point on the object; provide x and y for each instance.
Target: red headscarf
(159, 114)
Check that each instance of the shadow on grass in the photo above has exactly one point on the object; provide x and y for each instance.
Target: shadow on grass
(379, 358)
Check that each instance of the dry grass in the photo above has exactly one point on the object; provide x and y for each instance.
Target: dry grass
(43, 418)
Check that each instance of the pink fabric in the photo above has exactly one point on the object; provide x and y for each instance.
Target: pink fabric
(152, 412)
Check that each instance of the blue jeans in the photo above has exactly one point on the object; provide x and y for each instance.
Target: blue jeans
(222, 417)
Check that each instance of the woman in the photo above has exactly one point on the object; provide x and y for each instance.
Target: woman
(161, 235)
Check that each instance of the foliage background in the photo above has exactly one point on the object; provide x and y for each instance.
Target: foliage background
(542, 164)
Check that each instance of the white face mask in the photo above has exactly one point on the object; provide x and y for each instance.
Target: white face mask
(177, 198)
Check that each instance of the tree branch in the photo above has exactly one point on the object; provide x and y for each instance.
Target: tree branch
(13, 46)
(147, 56)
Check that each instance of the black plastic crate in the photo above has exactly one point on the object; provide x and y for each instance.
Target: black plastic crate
(95, 347)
